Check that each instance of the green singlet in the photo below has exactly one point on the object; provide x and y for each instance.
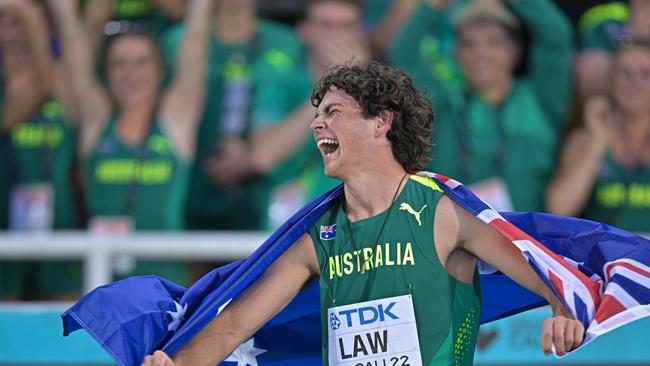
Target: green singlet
(147, 183)
(447, 311)
(4, 182)
(621, 197)
(43, 150)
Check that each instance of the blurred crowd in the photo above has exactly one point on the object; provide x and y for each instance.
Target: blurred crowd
(166, 115)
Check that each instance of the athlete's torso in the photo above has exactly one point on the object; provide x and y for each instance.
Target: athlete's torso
(361, 267)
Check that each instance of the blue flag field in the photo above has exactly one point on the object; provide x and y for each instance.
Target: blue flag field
(601, 273)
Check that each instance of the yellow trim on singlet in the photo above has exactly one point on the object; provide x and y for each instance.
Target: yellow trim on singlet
(426, 181)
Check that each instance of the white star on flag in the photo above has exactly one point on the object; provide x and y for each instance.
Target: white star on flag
(246, 354)
(177, 316)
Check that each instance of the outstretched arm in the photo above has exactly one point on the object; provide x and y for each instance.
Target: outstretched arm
(456, 229)
(90, 98)
(250, 311)
(581, 160)
(550, 56)
(97, 14)
(183, 102)
(24, 94)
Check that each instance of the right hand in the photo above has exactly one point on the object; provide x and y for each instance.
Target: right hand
(598, 115)
(159, 358)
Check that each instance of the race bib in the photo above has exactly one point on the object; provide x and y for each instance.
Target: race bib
(32, 207)
(374, 333)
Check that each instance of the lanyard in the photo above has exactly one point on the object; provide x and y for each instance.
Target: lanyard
(237, 90)
(332, 285)
(141, 153)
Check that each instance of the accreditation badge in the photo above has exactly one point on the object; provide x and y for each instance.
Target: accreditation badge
(32, 207)
(374, 333)
(494, 191)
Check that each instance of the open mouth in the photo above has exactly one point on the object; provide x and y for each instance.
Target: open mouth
(327, 146)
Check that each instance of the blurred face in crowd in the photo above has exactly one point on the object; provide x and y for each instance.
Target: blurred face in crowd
(487, 54)
(235, 6)
(333, 30)
(134, 70)
(12, 34)
(631, 80)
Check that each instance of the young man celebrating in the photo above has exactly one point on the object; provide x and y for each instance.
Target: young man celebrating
(393, 247)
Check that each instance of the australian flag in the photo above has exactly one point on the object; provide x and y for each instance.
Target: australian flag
(602, 274)
(328, 232)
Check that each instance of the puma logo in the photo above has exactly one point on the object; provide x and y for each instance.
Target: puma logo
(406, 207)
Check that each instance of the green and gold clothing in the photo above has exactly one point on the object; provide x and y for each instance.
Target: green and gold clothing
(4, 168)
(147, 183)
(621, 197)
(238, 76)
(358, 266)
(143, 11)
(43, 150)
(516, 140)
(5, 183)
(603, 26)
(431, 34)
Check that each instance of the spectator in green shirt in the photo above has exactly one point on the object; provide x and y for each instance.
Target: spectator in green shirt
(137, 141)
(497, 131)
(247, 55)
(291, 137)
(602, 29)
(39, 151)
(604, 171)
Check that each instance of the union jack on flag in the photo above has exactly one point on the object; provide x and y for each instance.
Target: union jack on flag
(328, 232)
(601, 273)
(603, 280)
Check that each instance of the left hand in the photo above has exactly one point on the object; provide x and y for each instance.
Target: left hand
(565, 333)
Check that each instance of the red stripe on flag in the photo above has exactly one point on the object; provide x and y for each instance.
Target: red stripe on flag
(512, 232)
(608, 308)
(442, 177)
(557, 283)
(627, 265)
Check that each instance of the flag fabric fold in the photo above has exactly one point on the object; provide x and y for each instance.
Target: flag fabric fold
(601, 273)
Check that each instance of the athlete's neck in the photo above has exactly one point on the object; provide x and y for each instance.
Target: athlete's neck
(369, 193)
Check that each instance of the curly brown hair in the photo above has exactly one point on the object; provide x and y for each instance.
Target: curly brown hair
(378, 88)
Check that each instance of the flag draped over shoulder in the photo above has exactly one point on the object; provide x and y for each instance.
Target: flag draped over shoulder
(601, 273)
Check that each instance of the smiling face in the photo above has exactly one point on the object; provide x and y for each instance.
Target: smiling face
(324, 17)
(487, 54)
(134, 70)
(631, 80)
(344, 137)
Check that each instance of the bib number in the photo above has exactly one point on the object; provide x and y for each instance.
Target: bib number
(374, 333)
(32, 207)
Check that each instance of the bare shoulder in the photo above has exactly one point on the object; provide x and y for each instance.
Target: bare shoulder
(454, 225)
(446, 227)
